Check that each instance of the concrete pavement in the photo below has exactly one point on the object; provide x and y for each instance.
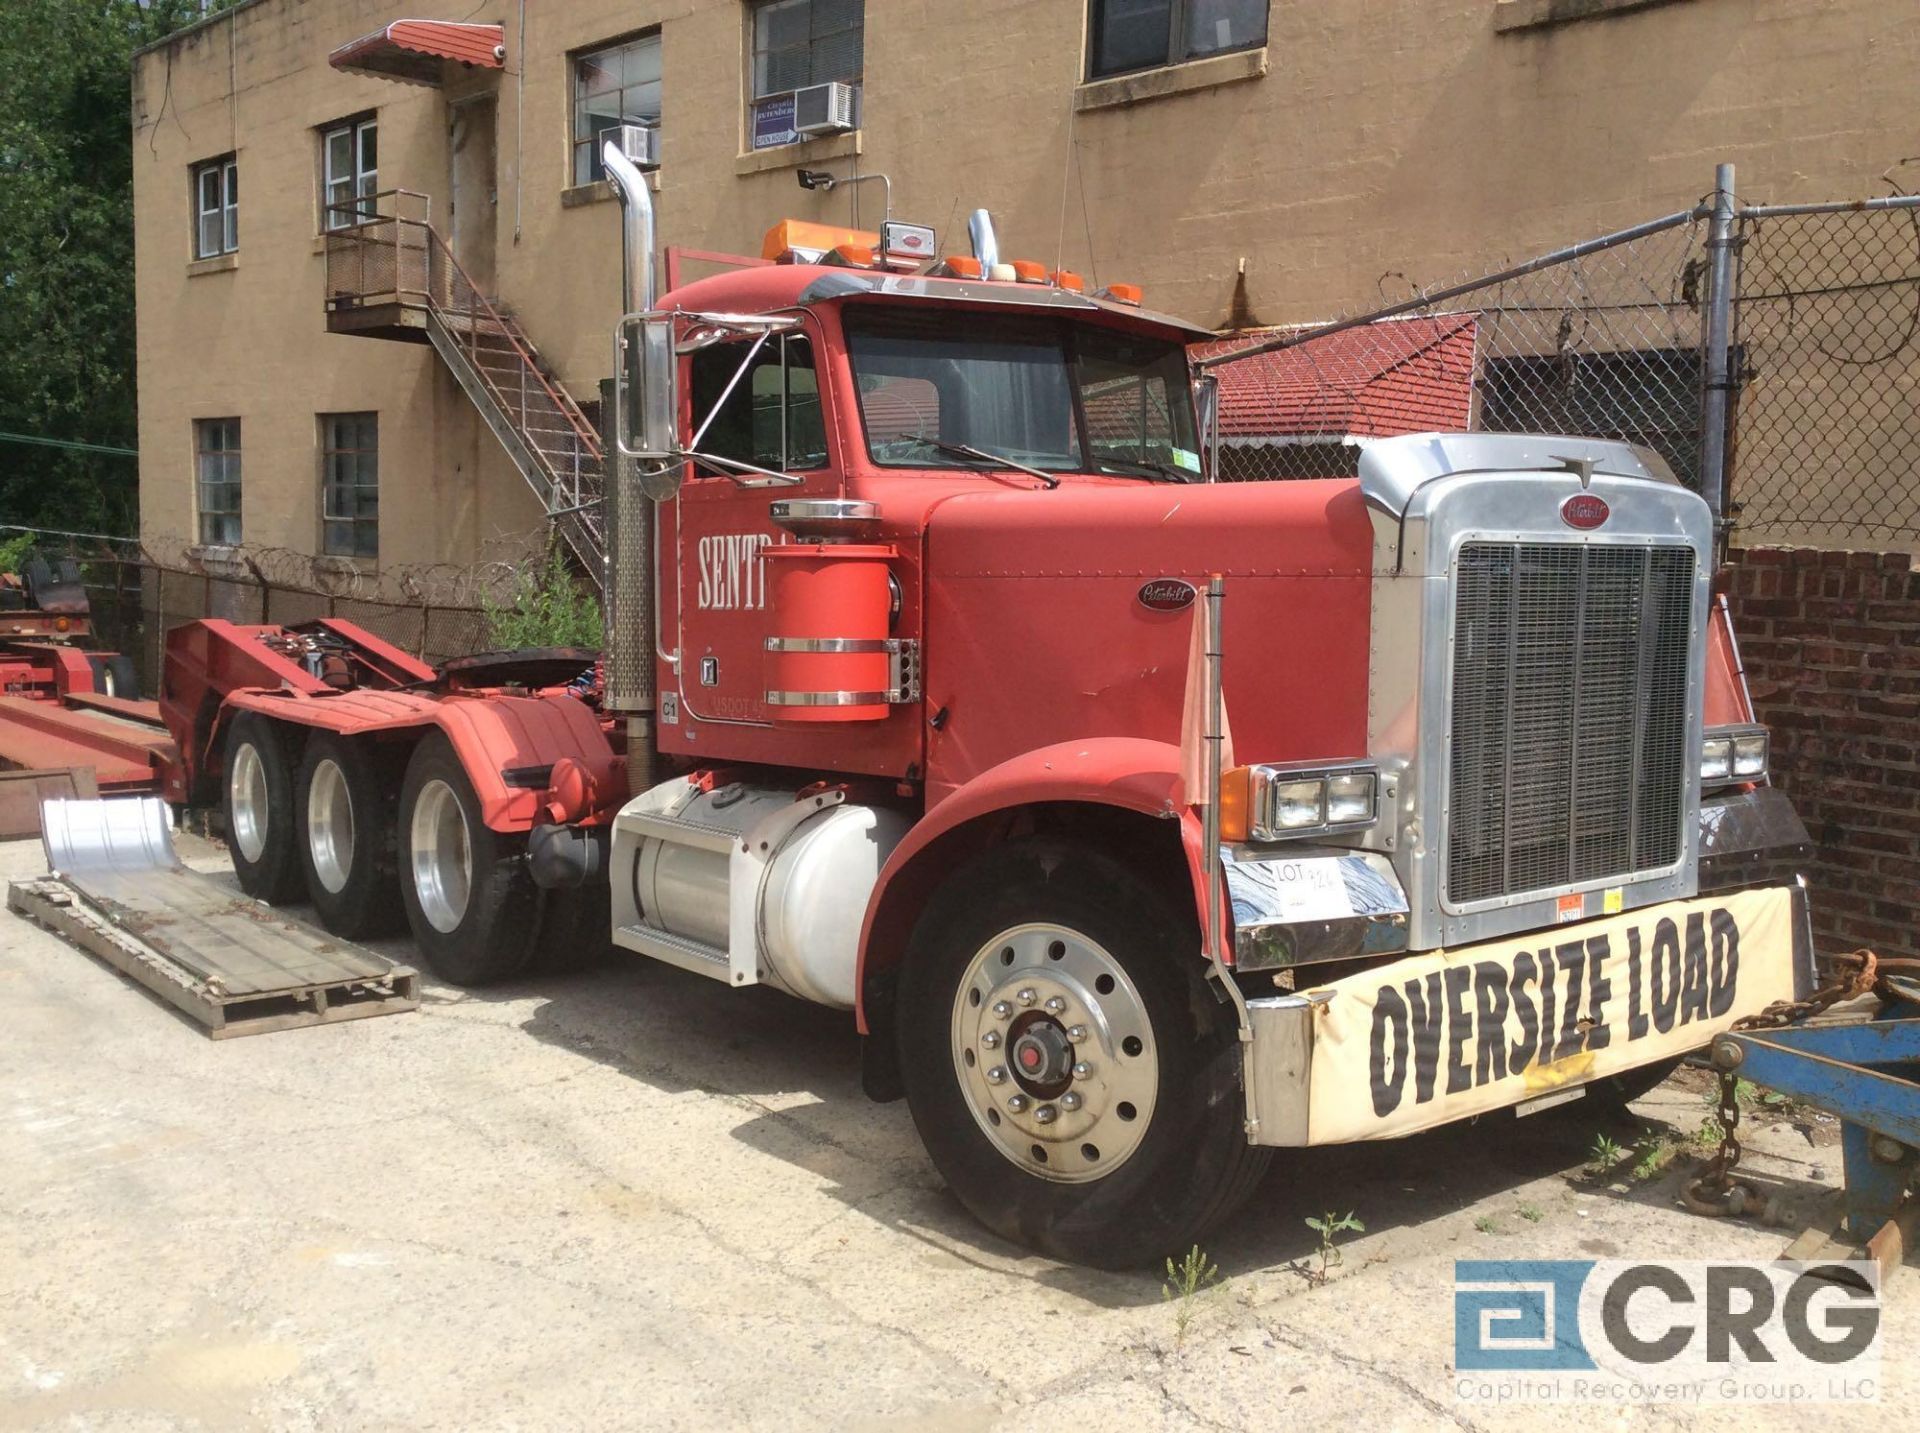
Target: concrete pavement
(637, 1198)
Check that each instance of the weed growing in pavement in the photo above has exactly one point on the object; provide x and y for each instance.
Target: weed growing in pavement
(1487, 1224)
(1330, 1226)
(1604, 1154)
(1186, 1282)
(1531, 1213)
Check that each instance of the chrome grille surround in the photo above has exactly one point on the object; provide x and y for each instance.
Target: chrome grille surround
(1433, 498)
(1568, 716)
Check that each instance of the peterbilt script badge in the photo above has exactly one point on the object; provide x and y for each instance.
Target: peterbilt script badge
(1585, 511)
(1166, 594)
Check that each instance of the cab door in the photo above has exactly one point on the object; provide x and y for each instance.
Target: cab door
(770, 416)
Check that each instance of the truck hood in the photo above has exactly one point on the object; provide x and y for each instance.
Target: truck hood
(1057, 616)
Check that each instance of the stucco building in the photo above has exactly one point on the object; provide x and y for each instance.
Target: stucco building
(1246, 161)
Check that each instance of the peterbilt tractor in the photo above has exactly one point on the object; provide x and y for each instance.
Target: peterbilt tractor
(917, 579)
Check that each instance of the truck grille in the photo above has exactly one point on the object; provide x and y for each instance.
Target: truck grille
(1569, 715)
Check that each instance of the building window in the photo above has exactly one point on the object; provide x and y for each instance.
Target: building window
(349, 170)
(797, 43)
(216, 470)
(216, 208)
(350, 484)
(611, 87)
(1145, 34)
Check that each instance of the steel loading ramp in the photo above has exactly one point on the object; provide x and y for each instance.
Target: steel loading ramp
(117, 890)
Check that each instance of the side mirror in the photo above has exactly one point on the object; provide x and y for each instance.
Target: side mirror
(646, 402)
(1206, 396)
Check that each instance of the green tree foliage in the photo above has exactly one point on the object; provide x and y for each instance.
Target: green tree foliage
(548, 607)
(66, 253)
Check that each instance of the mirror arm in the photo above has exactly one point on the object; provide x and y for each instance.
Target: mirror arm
(732, 468)
(732, 383)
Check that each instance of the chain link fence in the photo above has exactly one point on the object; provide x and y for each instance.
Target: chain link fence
(1826, 342)
(1602, 340)
(138, 591)
(1612, 338)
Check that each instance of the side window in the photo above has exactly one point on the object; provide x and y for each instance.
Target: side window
(349, 170)
(772, 418)
(216, 208)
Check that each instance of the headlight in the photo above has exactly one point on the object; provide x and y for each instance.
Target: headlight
(1733, 753)
(1275, 803)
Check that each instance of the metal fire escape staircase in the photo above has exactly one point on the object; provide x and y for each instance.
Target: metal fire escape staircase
(391, 274)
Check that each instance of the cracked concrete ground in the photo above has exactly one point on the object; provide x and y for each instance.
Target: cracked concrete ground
(634, 1197)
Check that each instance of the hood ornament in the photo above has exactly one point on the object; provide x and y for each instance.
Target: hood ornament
(1581, 468)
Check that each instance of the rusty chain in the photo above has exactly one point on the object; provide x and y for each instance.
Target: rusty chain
(1715, 1191)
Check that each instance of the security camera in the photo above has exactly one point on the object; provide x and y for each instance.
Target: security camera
(815, 179)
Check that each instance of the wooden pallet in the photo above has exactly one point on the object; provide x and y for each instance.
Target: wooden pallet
(236, 966)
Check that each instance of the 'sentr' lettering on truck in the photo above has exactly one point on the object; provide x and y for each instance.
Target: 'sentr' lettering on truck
(1443, 1036)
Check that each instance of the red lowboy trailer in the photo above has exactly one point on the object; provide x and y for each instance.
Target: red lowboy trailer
(902, 591)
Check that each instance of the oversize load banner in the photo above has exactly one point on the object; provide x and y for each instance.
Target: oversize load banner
(1448, 1034)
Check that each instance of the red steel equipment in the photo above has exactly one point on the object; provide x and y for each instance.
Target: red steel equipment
(903, 576)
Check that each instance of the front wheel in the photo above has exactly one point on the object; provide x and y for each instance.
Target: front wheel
(1073, 1077)
(469, 897)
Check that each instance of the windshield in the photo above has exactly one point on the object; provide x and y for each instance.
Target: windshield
(1040, 391)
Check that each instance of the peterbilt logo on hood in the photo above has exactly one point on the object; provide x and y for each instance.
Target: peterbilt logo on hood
(1166, 594)
(1585, 511)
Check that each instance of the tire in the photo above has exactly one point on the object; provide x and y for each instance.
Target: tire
(467, 892)
(576, 929)
(345, 795)
(1609, 1096)
(263, 821)
(114, 676)
(1152, 1152)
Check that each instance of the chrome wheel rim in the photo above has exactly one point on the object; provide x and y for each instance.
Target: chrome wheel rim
(442, 856)
(247, 800)
(1054, 1053)
(330, 825)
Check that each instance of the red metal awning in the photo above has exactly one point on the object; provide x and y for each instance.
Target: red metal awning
(418, 51)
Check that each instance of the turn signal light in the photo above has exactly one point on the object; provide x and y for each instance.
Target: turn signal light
(1068, 279)
(960, 266)
(1122, 294)
(1028, 272)
(854, 256)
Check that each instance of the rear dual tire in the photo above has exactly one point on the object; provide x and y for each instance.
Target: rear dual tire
(263, 825)
(468, 894)
(345, 796)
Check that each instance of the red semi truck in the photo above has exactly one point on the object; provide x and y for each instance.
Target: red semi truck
(901, 602)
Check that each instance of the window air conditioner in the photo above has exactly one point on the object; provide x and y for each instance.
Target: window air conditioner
(640, 143)
(823, 109)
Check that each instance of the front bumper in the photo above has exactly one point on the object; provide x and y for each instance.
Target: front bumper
(1447, 1035)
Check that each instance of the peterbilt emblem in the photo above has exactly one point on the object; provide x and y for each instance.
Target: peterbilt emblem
(1585, 511)
(1166, 594)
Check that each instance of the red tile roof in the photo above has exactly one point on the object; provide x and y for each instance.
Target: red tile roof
(417, 51)
(1407, 375)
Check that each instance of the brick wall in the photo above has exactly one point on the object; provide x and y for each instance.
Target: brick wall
(1831, 642)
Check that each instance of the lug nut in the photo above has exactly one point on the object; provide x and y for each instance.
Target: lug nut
(1027, 996)
(1076, 1033)
(1081, 1069)
(997, 1075)
(1886, 1150)
(1017, 1103)
(1046, 1114)
(1070, 1100)
(991, 1039)
(1055, 1005)
(1001, 1010)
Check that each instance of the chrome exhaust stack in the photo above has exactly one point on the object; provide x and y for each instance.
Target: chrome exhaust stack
(986, 247)
(629, 612)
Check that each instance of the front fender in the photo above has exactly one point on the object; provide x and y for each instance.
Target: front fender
(1126, 773)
